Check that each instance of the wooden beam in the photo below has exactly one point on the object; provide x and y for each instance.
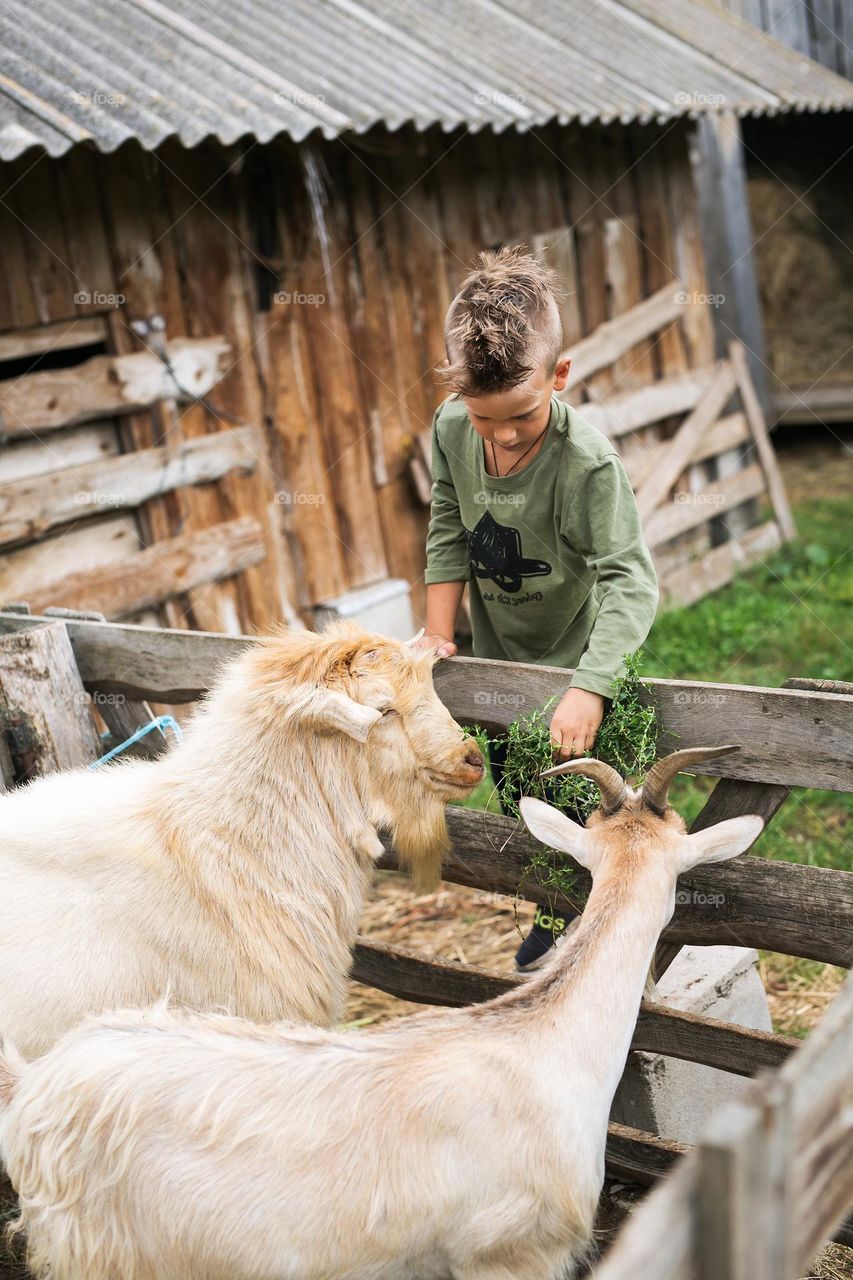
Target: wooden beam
(764, 449)
(169, 666)
(726, 433)
(410, 976)
(749, 901)
(680, 448)
(768, 721)
(613, 338)
(821, 1119)
(166, 569)
(632, 410)
(637, 1156)
(61, 335)
(688, 510)
(161, 664)
(811, 406)
(728, 239)
(109, 385)
(31, 507)
(690, 582)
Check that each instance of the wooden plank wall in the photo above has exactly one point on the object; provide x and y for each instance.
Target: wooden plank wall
(328, 269)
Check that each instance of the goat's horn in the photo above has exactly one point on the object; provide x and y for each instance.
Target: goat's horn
(608, 781)
(659, 778)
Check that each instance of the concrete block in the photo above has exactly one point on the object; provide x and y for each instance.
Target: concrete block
(673, 1098)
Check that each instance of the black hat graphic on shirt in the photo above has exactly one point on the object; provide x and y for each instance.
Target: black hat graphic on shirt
(495, 551)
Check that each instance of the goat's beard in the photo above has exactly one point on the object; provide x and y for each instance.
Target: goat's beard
(421, 843)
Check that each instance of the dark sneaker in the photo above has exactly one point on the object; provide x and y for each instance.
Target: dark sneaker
(547, 931)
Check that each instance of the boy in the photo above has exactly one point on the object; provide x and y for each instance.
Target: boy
(531, 507)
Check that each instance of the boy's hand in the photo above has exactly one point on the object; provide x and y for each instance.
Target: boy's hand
(575, 723)
(431, 642)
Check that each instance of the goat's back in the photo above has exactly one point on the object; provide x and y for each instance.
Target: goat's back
(352, 1154)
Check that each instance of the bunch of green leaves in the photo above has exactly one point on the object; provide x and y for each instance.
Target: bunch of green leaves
(627, 740)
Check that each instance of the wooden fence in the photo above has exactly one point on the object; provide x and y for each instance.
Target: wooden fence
(727, 1212)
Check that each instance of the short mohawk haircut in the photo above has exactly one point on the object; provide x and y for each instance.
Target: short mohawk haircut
(503, 322)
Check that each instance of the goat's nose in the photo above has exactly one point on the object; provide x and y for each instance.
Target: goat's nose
(474, 756)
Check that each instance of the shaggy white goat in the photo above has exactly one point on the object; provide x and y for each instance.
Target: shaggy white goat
(231, 872)
(465, 1143)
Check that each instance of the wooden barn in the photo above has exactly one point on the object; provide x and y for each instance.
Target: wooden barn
(796, 176)
(227, 242)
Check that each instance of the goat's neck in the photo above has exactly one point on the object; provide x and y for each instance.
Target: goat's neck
(586, 1003)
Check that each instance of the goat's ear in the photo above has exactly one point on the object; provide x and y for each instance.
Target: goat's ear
(553, 828)
(337, 711)
(721, 842)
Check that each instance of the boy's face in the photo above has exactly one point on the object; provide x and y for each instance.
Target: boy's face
(513, 419)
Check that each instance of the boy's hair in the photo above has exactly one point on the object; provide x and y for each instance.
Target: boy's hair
(503, 322)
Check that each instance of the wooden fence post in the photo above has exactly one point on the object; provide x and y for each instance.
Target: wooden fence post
(44, 709)
(122, 716)
(743, 1210)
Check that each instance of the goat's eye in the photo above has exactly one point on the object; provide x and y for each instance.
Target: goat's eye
(390, 711)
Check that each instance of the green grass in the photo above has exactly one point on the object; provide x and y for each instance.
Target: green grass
(789, 617)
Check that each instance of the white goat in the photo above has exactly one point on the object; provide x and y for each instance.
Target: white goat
(465, 1143)
(232, 871)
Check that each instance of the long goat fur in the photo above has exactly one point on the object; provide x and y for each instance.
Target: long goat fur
(469, 1143)
(232, 871)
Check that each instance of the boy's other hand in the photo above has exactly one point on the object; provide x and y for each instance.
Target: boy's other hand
(431, 642)
(575, 723)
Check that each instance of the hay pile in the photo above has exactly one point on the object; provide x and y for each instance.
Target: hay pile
(466, 926)
(805, 276)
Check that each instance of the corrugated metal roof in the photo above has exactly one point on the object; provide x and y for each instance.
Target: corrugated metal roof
(76, 70)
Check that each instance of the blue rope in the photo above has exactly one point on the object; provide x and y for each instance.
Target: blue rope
(161, 722)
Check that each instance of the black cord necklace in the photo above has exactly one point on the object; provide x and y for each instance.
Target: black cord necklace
(523, 456)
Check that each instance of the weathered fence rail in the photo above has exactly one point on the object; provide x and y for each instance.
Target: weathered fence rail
(794, 736)
(789, 737)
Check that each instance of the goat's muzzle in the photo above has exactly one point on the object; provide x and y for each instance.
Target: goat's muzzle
(470, 770)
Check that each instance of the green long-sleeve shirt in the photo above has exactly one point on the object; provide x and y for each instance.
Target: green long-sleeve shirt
(558, 570)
